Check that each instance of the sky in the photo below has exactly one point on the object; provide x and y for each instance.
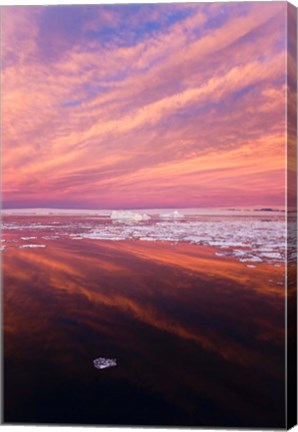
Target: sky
(144, 106)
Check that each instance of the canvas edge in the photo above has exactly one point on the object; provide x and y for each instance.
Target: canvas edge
(291, 213)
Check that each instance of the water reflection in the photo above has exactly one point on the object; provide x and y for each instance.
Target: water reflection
(199, 340)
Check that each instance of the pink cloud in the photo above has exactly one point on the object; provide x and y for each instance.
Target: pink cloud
(184, 110)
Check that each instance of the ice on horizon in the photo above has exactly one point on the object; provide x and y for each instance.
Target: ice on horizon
(175, 215)
(250, 240)
(129, 216)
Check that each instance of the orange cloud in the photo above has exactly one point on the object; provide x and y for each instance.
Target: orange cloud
(178, 109)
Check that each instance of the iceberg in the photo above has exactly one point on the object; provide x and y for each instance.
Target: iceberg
(104, 363)
(129, 216)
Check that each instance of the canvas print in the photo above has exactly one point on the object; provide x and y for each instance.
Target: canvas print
(149, 214)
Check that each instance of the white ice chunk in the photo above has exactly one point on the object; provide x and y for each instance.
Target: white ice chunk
(272, 255)
(54, 237)
(32, 246)
(251, 259)
(237, 252)
(102, 236)
(104, 363)
(28, 238)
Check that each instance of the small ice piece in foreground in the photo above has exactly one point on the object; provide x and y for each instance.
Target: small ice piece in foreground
(251, 266)
(103, 363)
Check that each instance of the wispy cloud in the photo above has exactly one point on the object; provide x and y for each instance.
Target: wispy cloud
(144, 105)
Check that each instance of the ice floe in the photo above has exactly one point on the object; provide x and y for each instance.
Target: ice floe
(28, 238)
(32, 246)
(104, 363)
(250, 240)
(53, 237)
(251, 259)
(273, 255)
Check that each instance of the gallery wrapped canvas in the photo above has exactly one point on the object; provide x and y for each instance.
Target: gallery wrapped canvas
(149, 214)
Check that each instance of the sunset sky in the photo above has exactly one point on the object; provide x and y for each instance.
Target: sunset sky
(144, 106)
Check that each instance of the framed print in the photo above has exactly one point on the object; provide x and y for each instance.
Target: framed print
(149, 228)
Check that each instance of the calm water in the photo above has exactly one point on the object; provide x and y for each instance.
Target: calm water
(197, 329)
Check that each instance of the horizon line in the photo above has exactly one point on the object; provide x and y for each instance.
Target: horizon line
(264, 207)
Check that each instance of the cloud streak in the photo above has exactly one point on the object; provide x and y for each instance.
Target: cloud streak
(182, 107)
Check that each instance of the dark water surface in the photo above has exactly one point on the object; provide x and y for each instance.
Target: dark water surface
(199, 339)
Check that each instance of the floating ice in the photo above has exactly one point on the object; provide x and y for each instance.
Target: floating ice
(271, 255)
(99, 235)
(28, 238)
(249, 240)
(128, 215)
(251, 259)
(32, 246)
(174, 214)
(104, 363)
(54, 237)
